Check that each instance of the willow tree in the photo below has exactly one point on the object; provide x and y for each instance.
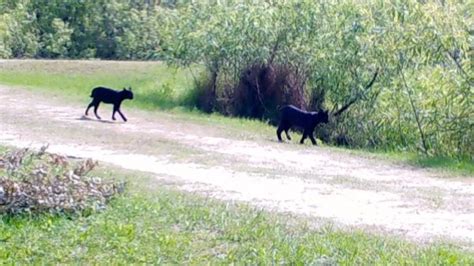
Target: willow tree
(418, 52)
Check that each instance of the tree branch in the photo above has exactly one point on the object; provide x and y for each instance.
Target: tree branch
(358, 96)
(461, 69)
(415, 112)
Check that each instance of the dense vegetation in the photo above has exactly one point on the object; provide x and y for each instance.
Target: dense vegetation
(421, 99)
(259, 55)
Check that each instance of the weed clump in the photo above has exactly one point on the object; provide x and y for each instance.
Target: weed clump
(38, 182)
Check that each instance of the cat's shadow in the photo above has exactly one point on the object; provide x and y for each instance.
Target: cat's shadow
(86, 118)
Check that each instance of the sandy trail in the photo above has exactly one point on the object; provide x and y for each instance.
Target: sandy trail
(317, 182)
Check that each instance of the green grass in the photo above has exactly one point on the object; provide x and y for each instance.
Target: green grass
(153, 224)
(450, 166)
(168, 89)
(462, 167)
(154, 84)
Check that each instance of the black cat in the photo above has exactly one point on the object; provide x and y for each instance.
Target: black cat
(106, 95)
(293, 116)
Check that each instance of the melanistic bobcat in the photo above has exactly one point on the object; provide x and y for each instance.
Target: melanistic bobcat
(106, 95)
(293, 116)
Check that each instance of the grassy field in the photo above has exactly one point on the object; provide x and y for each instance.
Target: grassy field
(154, 223)
(159, 87)
(155, 84)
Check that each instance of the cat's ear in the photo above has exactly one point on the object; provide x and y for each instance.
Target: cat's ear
(129, 88)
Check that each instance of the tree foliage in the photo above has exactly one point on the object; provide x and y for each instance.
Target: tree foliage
(117, 29)
(421, 100)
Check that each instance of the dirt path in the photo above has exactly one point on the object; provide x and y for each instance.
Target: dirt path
(313, 181)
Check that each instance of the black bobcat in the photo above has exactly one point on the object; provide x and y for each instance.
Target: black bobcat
(106, 95)
(293, 116)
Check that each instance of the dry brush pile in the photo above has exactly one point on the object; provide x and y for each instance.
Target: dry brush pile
(36, 182)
